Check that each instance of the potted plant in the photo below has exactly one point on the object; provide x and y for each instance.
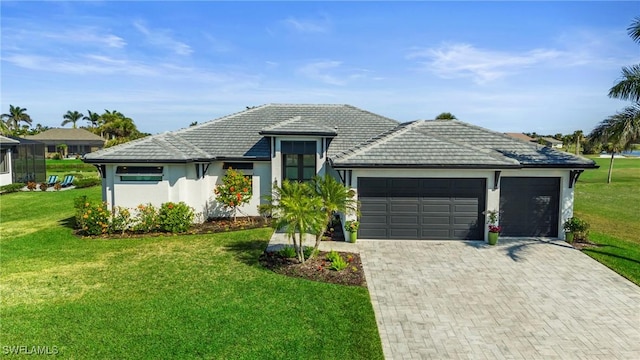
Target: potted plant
(575, 229)
(494, 228)
(352, 227)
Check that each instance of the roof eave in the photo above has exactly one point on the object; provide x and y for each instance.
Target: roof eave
(424, 166)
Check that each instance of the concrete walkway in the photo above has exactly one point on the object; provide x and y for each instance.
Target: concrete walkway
(521, 299)
(279, 240)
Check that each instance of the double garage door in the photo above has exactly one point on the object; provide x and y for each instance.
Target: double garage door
(412, 208)
(449, 209)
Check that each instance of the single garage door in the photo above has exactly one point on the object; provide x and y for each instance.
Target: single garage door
(529, 206)
(410, 208)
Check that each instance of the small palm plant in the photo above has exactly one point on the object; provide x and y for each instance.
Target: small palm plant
(296, 209)
(335, 198)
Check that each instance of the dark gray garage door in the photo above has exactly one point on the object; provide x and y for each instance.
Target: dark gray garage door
(529, 206)
(408, 208)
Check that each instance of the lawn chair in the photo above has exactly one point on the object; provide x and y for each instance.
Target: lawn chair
(68, 181)
(52, 180)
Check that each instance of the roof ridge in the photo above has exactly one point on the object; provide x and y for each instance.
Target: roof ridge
(211, 121)
(283, 122)
(501, 134)
(120, 146)
(376, 140)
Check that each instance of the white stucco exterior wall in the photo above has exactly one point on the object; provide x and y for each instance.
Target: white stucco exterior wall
(6, 178)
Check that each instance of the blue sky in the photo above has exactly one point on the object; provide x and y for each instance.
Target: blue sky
(509, 66)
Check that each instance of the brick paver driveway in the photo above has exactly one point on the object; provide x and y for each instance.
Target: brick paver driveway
(522, 299)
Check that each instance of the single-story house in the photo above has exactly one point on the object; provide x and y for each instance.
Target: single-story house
(77, 141)
(21, 161)
(7, 145)
(414, 180)
(521, 136)
(548, 141)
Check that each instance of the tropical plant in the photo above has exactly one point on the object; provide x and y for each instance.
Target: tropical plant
(335, 198)
(71, 117)
(352, 225)
(628, 86)
(493, 221)
(577, 226)
(618, 132)
(14, 117)
(296, 210)
(92, 118)
(446, 116)
(234, 191)
(287, 252)
(578, 135)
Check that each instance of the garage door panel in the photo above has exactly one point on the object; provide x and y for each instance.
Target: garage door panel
(530, 206)
(423, 208)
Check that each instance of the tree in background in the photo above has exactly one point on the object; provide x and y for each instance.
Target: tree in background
(71, 117)
(628, 87)
(446, 116)
(578, 137)
(92, 118)
(618, 132)
(13, 118)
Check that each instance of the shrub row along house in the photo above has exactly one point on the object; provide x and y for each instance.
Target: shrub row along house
(414, 180)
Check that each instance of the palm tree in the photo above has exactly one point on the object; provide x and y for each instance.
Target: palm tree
(297, 210)
(71, 117)
(15, 116)
(4, 129)
(628, 87)
(92, 118)
(446, 116)
(335, 198)
(578, 135)
(618, 132)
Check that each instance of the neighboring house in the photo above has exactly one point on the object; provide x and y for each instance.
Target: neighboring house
(551, 142)
(521, 136)
(21, 160)
(416, 180)
(6, 147)
(77, 141)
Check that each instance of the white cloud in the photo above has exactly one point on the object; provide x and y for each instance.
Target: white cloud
(162, 38)
(308, 26)
(320, 71)
(464, 60)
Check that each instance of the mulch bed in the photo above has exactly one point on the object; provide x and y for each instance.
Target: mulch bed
(317, 268)
(584, 244)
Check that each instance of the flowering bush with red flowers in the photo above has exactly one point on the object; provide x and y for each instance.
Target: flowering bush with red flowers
(495, 228)
(234, 191)
(146, 219)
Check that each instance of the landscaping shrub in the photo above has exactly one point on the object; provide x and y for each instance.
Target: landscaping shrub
(31, 185)
(57, 186)
(79, 203)
(287, 252)
(146, 219)
(11, 187)
(174, 217)
(338, 264)
(85, 183)
(56, 156)
(309, 252)
(332, 255)
(44, 186)
(234, 191)
(121, 220)
(95, 219)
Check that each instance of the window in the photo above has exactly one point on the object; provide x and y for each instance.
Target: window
(139, 173)
(298, 160)
(4, 161)
(51, 149)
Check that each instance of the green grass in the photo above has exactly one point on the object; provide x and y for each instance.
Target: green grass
(70, 167)
(613, 211)
(201, 296)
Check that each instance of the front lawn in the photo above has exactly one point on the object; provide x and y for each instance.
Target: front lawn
(613, 210)
(198, 296)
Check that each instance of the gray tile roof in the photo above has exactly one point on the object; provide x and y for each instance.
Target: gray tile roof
(7, 141)
(452, 143)
(238, 135)
(361, 139)
(300, 126)
(60, 134)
